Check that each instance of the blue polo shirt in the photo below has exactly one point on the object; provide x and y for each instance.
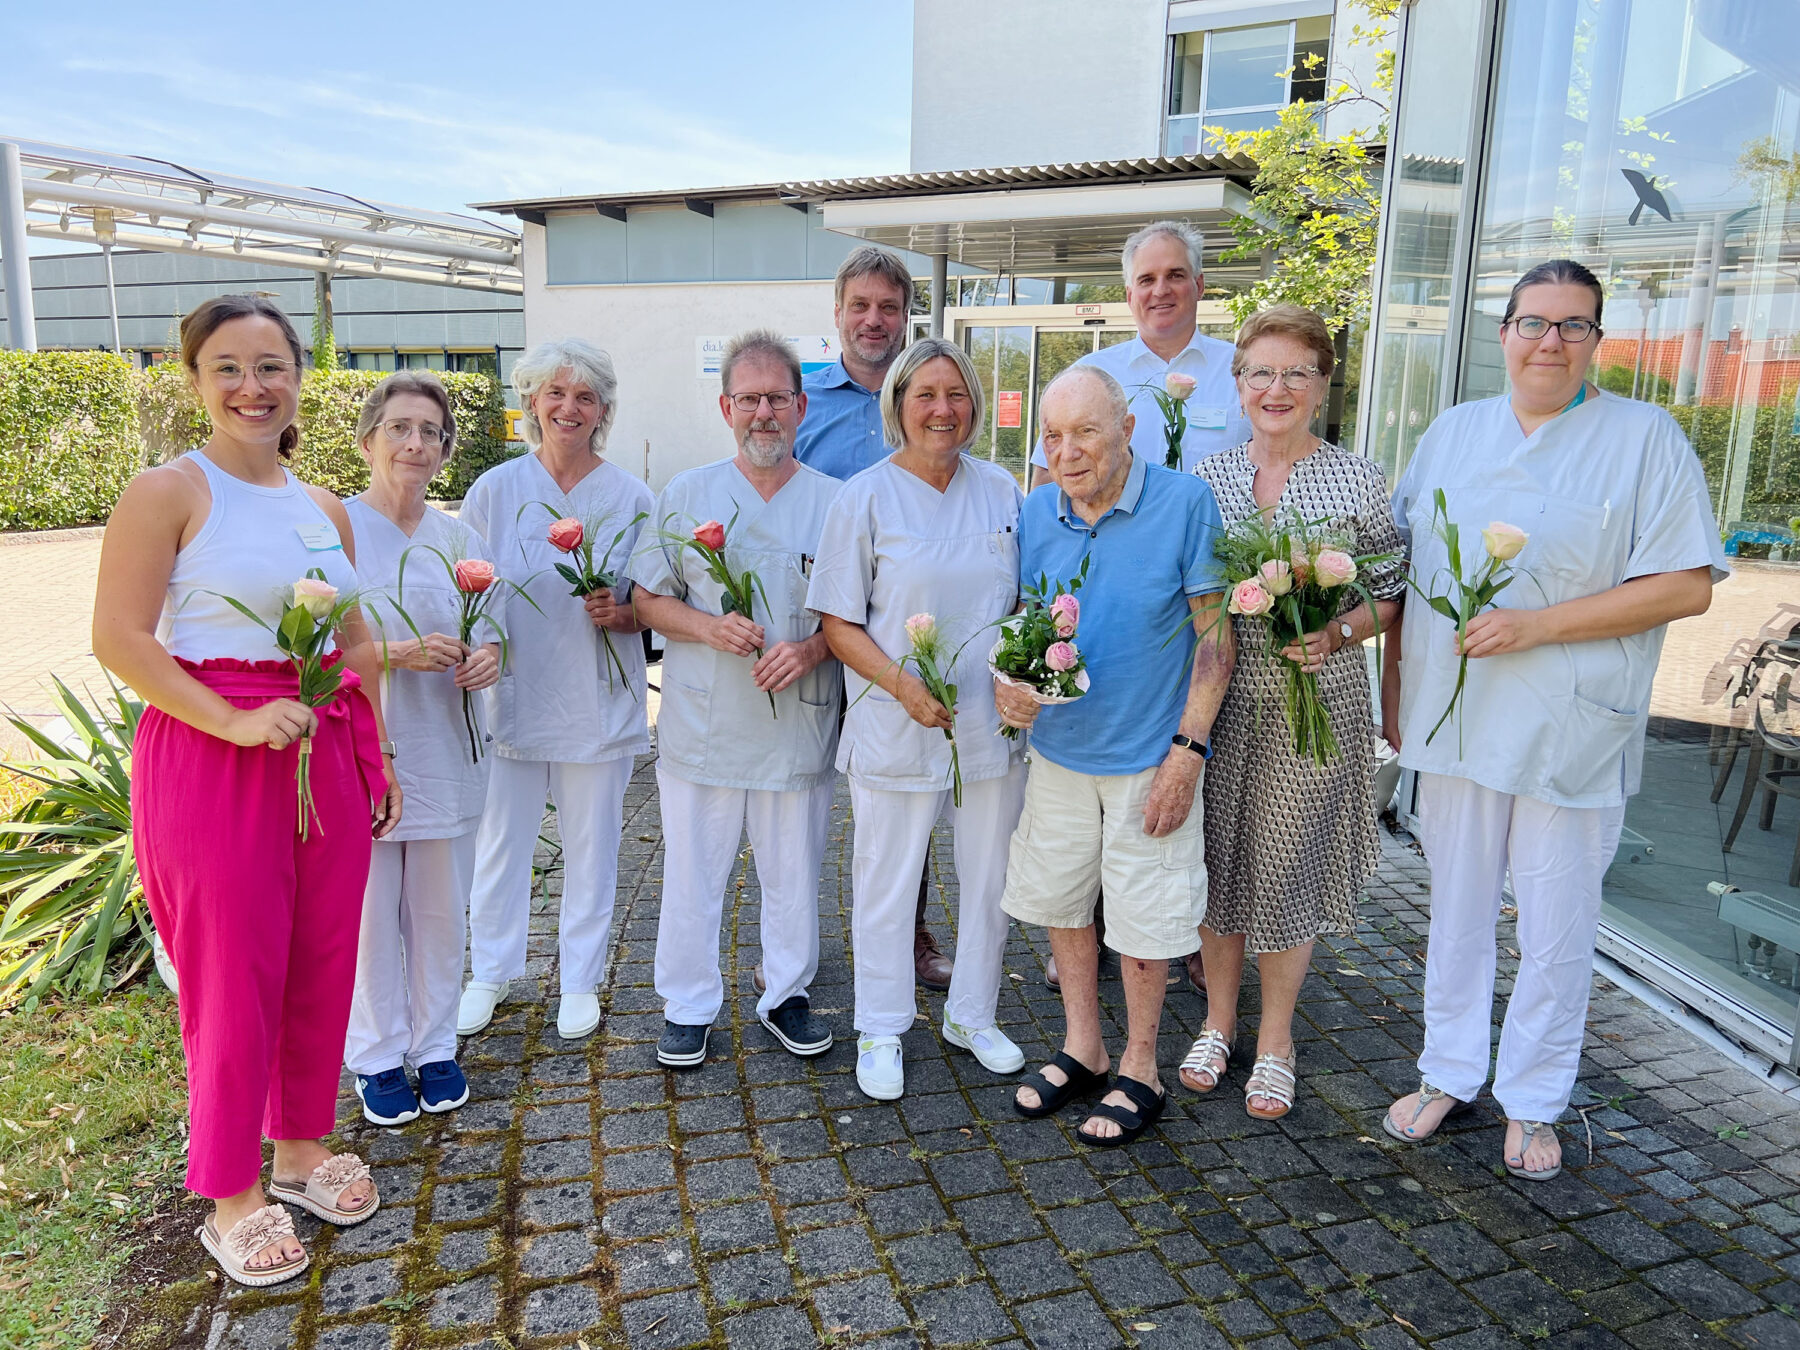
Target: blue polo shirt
(841, 432)
(1151, 552)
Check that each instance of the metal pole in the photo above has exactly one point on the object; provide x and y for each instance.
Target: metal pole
(15, 260)
(940, 280)
(112, 300)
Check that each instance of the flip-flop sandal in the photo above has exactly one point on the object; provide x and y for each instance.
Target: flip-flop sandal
(1212, 1048)
(326, 1186)
(248, 1236)
(1273, 1079)
(1132, 1123)
(1052, 1097)
(1532, 1129)
(1427, 1095)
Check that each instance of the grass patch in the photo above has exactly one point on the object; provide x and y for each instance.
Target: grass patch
(92, 1120)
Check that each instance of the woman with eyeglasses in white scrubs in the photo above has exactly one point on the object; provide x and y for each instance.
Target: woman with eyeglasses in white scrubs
(1621, 540)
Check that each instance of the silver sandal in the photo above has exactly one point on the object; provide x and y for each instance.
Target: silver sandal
(1427, 1095)
(1210, 1048)
(1533, 1128)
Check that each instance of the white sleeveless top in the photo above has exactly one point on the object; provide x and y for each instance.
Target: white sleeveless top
(256, 543)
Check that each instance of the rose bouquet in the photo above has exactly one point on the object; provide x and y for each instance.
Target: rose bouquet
(1037, 650)
(311, 612)
(1294, 575)
(1467, 598)
(576, 537)
(1172, 396)
(741, 588)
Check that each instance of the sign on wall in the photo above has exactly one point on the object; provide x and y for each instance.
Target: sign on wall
(1009, 408)
(815, 353)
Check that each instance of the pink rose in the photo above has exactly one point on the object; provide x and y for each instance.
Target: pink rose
(1178, 387)
(921, 628)
(1277, 577)
(1062, 656)
(711, 534)
(1065, 613)
(1335, 568)
(473, 575)
(1503, 541)
(1250, 599)
(566, 534)
(315, 597)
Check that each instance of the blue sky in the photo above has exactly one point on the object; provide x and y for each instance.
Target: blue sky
(443, 104)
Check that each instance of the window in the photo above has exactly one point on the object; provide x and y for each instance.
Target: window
(1239, 79)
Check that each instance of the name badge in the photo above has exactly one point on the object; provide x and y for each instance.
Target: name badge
(320, 538)
(1207, 419)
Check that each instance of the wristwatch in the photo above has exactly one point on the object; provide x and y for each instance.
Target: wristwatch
(1347, 632)
(386, 748)
(1200, 748)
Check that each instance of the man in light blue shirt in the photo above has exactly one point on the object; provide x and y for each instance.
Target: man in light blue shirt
(1112, 795)
(1162, 286)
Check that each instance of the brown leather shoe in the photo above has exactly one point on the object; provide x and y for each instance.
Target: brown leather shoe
(932, 966)
(756, 978)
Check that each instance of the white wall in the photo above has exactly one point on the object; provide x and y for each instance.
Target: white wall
(650, 332)
(1005, 82)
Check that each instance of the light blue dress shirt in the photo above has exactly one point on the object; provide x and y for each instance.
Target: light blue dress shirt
(841, 432)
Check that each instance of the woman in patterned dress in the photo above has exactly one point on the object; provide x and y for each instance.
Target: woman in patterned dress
(1288, 845)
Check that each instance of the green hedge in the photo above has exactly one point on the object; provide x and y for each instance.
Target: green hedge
(68, 437)
(1772, 480)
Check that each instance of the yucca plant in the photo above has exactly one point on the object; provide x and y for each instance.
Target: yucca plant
(73, 906)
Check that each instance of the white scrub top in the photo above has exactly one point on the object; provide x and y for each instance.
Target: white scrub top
(894, 546)
(1607, 491)
(560, 699)
(714, 725)
(444, 786)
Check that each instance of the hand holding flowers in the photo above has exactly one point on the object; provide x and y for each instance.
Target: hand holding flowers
(592, 581)
(1036, 654)
(739, 589)
(933, 665)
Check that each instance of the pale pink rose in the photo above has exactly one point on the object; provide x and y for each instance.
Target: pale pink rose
(1065, 613)
(1178, 387)
(1504, 541)
(565, 534)
(1335, 568)
(921, 628)
(315, 597)
(1062, 656)
(711, 534)
(473, 575)
(1277, 577)
(1250, 599)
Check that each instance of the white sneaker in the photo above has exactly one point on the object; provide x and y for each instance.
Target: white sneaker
(578, 1016)
(879, 1071)
(477, 1007)
(990, 1045)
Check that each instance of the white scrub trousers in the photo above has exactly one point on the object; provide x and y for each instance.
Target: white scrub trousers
(893, 832)
(409, 955)
(590, 812)
(1558, 855)
(702, 826)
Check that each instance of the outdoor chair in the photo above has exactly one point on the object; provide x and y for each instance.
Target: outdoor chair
(1782, 777)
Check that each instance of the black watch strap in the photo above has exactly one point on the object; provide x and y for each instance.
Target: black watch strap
(1200, 748)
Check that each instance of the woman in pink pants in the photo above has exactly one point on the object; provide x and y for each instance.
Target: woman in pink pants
(261, 924)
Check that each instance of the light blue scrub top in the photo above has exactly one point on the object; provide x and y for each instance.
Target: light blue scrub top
(1607, 491)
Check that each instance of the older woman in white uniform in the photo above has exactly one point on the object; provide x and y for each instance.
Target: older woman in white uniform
(1621, 541)
(409, 956)
(566, 722)
(749, 713)
(929, 530)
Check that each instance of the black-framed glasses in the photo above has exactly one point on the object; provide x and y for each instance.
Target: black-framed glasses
(1532, 328)
(1294, 378)
(430, 433)
(780, 400)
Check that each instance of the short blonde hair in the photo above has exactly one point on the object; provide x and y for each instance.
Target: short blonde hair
(1293, 321)
(900, 375)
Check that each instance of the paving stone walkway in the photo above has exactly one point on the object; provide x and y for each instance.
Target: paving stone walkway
(586, 1198)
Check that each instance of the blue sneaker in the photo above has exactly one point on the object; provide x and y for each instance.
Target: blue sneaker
(442, 1086)
(387, 1097)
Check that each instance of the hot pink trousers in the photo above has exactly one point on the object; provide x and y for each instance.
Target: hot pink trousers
(261, 926)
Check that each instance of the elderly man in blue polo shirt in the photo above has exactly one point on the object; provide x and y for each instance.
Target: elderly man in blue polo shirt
(1112, 795)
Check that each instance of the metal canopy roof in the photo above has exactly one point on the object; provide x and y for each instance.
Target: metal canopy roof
(156, 204)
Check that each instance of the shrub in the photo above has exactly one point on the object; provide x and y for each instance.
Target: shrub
(68, 437)
(1772, 475)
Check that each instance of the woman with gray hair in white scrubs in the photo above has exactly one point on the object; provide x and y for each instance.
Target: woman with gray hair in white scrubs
(929, 530)
(568, 714)
(1620, 541)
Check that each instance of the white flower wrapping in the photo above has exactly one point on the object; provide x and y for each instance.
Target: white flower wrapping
(1047, 700)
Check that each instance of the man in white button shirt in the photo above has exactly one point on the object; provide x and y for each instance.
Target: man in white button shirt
(1162, 286)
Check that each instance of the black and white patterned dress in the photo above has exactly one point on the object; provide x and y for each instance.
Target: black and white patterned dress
(1289, 845)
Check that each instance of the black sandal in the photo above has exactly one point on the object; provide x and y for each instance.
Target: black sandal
(1052, 1097)
(1132, 1123)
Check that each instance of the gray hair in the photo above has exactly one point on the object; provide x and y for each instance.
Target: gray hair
(763, 342)
(871, 260)
(900, 375)
(586, 363)
(1117, 403)
(1179, 230)
(420, 382)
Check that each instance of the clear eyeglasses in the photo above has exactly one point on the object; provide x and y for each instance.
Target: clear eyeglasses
(780, 400)
(230, 374)
(1294, 378)
(1532, 327)
(430, 433)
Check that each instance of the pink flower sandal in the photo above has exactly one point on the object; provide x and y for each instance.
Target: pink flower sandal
(248, 1236)
(325, 1188)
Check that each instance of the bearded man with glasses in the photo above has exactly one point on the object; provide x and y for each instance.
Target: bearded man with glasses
(747, 733)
